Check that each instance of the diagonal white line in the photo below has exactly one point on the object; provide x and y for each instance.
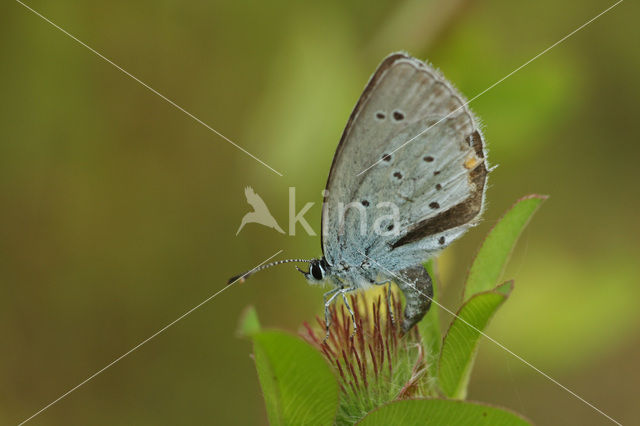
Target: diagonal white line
(518, 357)
(152, 89)
(498, 82)
(141, 343)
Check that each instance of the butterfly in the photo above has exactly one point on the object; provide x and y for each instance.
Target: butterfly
(413, 149)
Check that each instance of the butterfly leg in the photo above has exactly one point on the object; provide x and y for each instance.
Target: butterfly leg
(346, 303)
(417, 287)
(331, 295)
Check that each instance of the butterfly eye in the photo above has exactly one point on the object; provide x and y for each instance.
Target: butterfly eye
(316, 271)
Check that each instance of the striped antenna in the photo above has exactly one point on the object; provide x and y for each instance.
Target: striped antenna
(242, 277)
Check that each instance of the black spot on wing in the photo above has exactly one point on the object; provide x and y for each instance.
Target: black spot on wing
(398, 115)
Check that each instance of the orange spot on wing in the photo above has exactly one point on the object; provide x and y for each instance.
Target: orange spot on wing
(470, 163)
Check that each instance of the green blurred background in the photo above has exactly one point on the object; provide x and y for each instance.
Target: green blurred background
(118, 212)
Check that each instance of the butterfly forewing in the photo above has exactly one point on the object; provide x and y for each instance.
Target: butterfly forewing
(436, 180)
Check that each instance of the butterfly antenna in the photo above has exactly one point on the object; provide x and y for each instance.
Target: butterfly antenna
(243, 277)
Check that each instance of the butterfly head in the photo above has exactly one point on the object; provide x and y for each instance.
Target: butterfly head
(318, 269)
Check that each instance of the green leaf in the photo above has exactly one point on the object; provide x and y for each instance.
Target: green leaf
(496, 248)
(429, 327)
(298, 385)
(461, 341)
(436, 412)
(249, 323)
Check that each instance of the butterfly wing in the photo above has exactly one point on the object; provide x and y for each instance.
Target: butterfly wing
(436, 181)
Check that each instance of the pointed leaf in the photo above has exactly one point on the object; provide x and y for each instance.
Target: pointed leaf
(249, 323)
(298, 385)
(436, 412)
(496, 248)
(461, 341)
